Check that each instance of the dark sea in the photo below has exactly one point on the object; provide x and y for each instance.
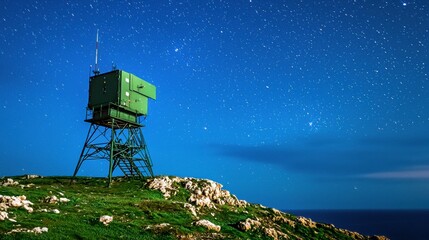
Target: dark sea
(394, 224)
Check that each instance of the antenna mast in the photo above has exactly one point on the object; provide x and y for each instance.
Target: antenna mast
(96, 70)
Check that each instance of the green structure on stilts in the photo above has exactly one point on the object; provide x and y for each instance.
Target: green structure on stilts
(117, 101)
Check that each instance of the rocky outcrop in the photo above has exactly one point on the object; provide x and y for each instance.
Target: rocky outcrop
(306, 222)
(207, 193)
(264, 226)
(9, 182)
(203, 193)
(54, 199)
(3, 215)
(189, 208)
(248, 224)
(51, 199)
(271, 232)
(378, 238)
(270, 226)
(36, 230)
(280, 218)
(7, 202)
(207, 224)
(165, 185)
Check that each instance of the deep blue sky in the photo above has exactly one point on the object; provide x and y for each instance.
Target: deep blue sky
(292, 104)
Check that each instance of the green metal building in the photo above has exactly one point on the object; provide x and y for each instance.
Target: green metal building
(117, 100)
(119, 94)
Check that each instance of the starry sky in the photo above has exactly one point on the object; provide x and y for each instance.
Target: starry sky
(292, 104)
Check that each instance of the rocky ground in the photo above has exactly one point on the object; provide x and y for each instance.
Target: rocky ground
(160, 208)
(209, 194)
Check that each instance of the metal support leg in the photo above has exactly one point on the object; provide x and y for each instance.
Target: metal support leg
(147, 158)
(112, 145)
(82, 155)
(124, 147)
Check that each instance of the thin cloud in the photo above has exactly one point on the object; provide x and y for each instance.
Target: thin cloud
(420, 173)
(369, 158)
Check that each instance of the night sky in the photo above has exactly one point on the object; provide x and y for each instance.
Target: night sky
(291, 104)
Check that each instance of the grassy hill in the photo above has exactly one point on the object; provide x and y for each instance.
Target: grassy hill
(33, 207)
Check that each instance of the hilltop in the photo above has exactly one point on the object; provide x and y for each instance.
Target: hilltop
(34, 207)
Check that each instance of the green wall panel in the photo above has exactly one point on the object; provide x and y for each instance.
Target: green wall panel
(121, 88)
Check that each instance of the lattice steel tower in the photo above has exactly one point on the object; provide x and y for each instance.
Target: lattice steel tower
(117, 100)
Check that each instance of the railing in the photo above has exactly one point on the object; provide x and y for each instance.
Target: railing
(104, 111)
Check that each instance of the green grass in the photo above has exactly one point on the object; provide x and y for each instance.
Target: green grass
(89, 199)
(133, 207)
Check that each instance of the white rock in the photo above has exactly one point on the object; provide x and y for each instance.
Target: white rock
(29, 209)
(3, 216)
(39, 230)
(204, 193)
(64, 200)
(207, 224)
(56, 211)
(248, 224)
(163, 184)
(16, 202)
(191, 208)
(26, 202)
(105, 219)
(9, 182)
(189, 185)
(51, 199)
(3, 206)
(306, 222)
(13, 201)
(271, 232)
(157, 226)
(27, 186)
